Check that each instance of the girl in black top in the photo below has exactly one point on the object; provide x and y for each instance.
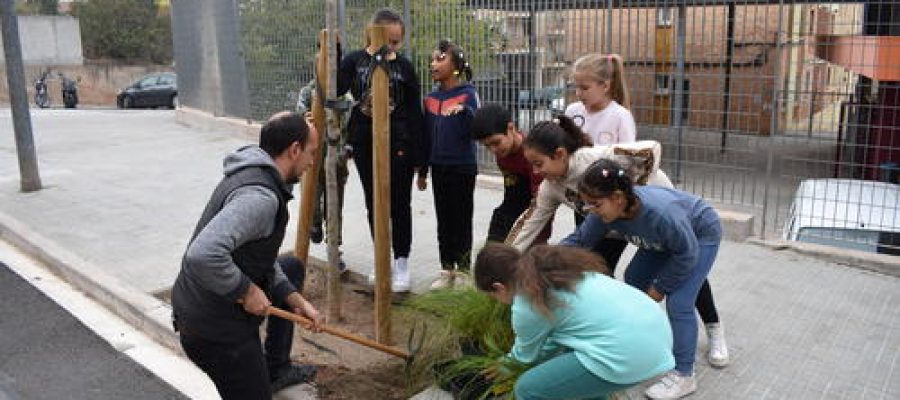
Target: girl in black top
(408, 145)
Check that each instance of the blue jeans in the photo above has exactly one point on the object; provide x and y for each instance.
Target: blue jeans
(564, 377)
(641, 272)
(280, 332)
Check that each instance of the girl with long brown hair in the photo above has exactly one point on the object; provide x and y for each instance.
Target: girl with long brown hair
(585, 334)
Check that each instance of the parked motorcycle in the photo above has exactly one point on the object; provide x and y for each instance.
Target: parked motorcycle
(69, 91)
(41, 96)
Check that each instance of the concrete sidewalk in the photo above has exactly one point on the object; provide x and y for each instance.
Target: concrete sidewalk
(123, 190)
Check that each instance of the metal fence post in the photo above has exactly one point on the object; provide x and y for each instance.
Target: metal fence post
(609, 29)
(18, 98)
(408, 20)
(531, 62)
(770, 157)
(678, 102)
(729, 62)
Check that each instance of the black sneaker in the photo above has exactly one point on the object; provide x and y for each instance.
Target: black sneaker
(316, 234)
(293, 375)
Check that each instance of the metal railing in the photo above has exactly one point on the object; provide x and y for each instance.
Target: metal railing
(749, 98)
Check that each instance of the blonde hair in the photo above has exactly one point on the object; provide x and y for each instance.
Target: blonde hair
(606, 68)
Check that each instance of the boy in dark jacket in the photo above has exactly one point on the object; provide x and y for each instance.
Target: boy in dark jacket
(493, 127)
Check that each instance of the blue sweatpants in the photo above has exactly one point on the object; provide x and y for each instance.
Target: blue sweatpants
(563, 377)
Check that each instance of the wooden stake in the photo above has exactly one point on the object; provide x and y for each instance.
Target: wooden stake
(310, 181)
(326, 66)
(381, 169)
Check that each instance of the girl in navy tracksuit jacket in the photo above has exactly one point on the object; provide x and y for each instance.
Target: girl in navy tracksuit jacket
(449, 110)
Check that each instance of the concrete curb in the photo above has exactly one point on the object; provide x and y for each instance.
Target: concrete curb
(205, 121)
(879, 263)
(143, 311)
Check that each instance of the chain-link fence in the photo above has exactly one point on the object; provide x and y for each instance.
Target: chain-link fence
(748, 98)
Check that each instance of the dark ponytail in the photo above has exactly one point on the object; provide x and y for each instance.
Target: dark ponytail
(547, 136)
(461, 65)
(605, 177)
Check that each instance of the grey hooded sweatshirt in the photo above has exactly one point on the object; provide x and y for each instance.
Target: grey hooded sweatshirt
(235, 243)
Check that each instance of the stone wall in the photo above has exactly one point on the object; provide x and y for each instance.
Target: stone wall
(49, 40)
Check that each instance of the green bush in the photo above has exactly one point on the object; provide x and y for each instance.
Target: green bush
(483, 324)
(37, 7)
(125, 30)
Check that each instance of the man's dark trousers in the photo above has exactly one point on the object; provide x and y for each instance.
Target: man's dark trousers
(280, 332)
(240, 370)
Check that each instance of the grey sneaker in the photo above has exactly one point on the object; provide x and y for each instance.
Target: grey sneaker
(445, 281)
(718, 350)
(672, 386)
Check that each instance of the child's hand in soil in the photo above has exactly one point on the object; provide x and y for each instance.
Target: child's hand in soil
(491, 373)
(496, 373)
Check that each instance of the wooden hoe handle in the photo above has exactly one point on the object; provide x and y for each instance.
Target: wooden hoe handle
(338, 332)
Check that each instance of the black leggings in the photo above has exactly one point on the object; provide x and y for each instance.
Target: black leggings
(401, 196)
(611, 250)
(454, 190)
(320, 206)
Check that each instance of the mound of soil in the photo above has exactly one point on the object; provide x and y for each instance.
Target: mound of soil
(348, 370)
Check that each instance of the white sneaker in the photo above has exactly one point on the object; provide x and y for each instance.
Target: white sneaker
(400, 273)
(445, 281)
(464, 279)
(718, 350)
(672, 386)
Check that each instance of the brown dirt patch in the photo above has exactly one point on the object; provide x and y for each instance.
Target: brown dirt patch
(352, 371)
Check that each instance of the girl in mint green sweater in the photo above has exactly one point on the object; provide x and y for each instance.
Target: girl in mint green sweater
(585, 334)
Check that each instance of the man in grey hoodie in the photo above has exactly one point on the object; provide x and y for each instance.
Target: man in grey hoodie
(229, 273)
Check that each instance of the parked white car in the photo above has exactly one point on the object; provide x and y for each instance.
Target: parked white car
(847, 213)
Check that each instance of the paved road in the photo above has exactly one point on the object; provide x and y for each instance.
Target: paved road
(48, 354)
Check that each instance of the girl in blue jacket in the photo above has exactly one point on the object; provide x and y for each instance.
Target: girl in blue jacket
(677, 235)
(449, 110)
(585, 334)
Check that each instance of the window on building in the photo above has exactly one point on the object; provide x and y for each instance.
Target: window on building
(664, 16)
(663, 86)
(686, 101)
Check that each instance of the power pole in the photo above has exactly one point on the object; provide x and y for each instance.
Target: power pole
(18, 98)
